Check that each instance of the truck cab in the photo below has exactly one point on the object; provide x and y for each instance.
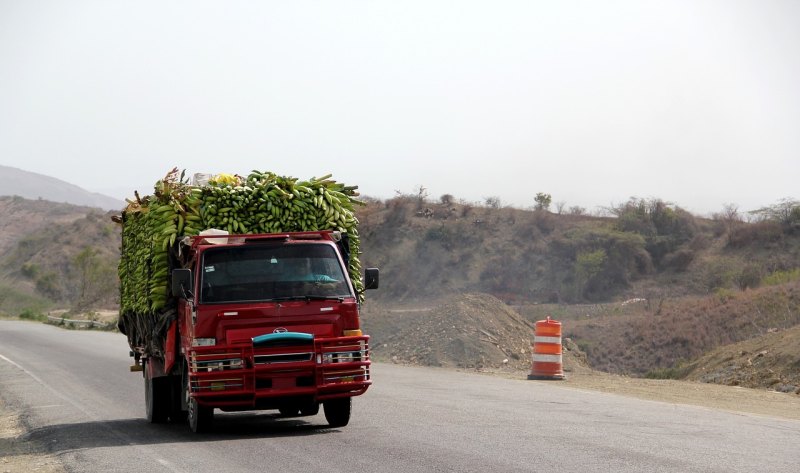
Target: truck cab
(267, 321)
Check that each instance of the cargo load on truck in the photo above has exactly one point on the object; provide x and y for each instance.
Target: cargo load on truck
(243, 293)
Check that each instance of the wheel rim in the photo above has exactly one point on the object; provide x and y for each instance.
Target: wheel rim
(191, 406)
(192, 414)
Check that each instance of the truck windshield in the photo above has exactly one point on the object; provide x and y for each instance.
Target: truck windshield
(272, 272)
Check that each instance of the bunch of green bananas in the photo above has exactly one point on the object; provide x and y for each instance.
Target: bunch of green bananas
(263, 202)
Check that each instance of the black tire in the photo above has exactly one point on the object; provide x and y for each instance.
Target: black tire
(337, 411)
(199, 417)
(156, 399)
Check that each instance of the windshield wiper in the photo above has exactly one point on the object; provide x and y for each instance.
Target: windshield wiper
(308, 298)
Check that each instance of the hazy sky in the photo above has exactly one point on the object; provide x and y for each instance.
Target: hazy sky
(694, 102)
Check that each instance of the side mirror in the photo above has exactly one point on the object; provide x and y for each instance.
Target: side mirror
(181, 282)
(371, 278)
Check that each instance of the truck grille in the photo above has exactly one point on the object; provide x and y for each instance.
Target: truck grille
(283, 358)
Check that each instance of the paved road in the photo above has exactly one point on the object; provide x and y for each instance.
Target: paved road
(78, 397)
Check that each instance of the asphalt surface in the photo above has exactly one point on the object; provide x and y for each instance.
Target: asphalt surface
(77, 398)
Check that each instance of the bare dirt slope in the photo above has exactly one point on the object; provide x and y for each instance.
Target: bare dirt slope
(470, 331)
(771, 361)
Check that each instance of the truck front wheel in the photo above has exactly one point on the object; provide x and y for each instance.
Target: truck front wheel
(199, 417)
(337, 411)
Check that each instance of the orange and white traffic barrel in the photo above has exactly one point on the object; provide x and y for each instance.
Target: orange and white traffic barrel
(547, 358)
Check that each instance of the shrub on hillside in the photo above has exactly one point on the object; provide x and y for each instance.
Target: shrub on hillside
(765, 232)
(614, 257)
(749, 277)
(502, 276)
(679, 261)
(544, 221)
(398, 208)
(664, 226)
(31, 314)
(720, 273)
(589, 266)
(724, 295)
(15, 301)
(781, 277)
(29, 270)
(443, 234)
(700, 242)
(49, 285)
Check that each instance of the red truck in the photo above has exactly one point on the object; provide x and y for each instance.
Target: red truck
(259, 321)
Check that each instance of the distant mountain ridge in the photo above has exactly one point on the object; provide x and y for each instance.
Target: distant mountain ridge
(31, 185)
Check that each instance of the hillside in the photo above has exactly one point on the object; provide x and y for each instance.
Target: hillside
(647, 250)
(30, 185)
(23, 218)
(55, 255)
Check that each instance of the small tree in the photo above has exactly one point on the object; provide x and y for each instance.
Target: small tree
(749, 277)
(543, 201)
(729, 217)
(786, 212)
(422, 196)
(492, 202)
(577, 210)
(85, 264)
(94, 277)
(588, 265)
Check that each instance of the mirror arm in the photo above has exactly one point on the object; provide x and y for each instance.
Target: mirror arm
(187, 294)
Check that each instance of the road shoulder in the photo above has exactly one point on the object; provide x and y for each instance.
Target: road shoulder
(17, 453)
(713, 396)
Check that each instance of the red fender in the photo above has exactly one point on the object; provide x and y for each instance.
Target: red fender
(170, 346)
